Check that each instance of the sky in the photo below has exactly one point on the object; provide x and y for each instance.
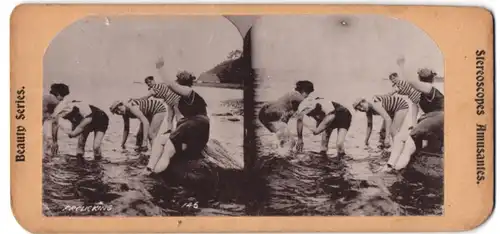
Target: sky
(346, 56)
(102, 55)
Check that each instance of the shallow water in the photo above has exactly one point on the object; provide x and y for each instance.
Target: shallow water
(112, 185)
(308, 184)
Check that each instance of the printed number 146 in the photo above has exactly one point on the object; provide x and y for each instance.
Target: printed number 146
(191, 205)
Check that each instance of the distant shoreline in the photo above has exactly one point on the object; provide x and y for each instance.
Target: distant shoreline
(219, 85)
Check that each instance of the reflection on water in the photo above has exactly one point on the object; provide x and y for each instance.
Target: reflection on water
(113, 186)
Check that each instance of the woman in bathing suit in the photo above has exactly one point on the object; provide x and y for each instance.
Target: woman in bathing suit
(149, 112)
(85, 118)
(171, 99)
(57, 94)
(402, 87)
(393, 110)
(275, 115)
(187, 141)
(328, 116)
(430, 123)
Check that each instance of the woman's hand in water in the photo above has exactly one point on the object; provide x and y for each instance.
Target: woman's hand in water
(160, 63)
(300, 145)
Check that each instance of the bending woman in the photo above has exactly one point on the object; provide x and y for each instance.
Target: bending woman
(149, 112)
(431, 123)
(275, 115)
(85, 119)
(402, 87)
(328, 116)
(191, 135)
(393, 109)
(171, 99)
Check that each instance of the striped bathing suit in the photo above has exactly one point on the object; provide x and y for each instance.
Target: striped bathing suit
(391, 103)
(162, 91)
(149, 107)
(404, 88)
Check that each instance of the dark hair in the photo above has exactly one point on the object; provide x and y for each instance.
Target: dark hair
(304, 86)
(426, 75)
(394, 74)
(148, 78)
(185, 78)
(59, 89)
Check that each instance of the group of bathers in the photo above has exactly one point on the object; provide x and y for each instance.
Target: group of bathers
(151, 111)
(392, 107)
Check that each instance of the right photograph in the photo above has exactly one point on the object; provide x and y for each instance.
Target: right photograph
(349, 117)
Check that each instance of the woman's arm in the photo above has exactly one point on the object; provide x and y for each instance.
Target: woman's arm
(145, 123)
(425, 88)
(413, 79)
(369, 127)
(170, 117)
(395, 89)
(300, 128)
(126, 130)
(79, 129)
(55, 128)
(324, 124)
(377, 107)
(300, 125)
(183, 91)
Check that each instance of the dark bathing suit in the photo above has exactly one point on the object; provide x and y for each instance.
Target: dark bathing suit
(192, 130)
(342, 119)
(432, 121)
(100, 120)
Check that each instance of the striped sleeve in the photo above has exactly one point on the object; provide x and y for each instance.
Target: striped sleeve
(406, 89)
(171, 98)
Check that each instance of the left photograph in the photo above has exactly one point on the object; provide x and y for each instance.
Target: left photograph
(143, 116)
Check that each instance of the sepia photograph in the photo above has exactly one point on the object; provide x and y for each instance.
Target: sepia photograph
(324, 115)
(348, 117)
(143, 116)
(250, 118)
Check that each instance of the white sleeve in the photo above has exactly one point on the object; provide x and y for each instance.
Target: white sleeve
(84, 109)
(62, 109)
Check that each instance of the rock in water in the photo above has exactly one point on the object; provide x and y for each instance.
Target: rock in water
(429, 164)
(215, 153)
